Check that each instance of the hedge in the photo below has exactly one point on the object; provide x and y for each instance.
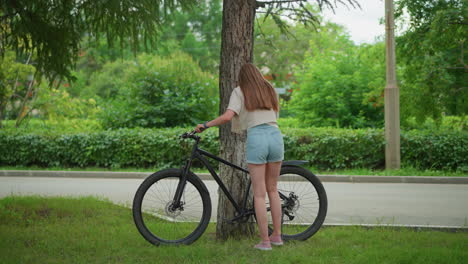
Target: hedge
(325, 148)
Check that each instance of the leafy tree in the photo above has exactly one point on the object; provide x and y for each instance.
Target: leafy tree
(105, 83)
(56, 105)
(51, 31)
(16, 85)
(279, 53)
(159, 92)
(54, 29)
(431, 53)
(237, 39)
(196, 32)
(341, 84)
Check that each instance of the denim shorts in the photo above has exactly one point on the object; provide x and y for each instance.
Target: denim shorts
(264, 144)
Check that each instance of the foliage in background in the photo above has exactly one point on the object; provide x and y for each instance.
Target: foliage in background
(161, 92)
(100, 69)
(279, 54)
(433, 150)
(196, 32)
(57, 105)
(67, 126)
(446, 123)
(15, 80)
(106, 83)
(324, 148)
(431, 54)
(53, 29)
(340, 84)
(53, 127)
(92, 58)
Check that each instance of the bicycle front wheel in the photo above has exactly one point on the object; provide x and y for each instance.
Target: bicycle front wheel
(304, 203)
(155, 216)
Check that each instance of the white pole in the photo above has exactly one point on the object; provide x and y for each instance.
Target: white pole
(392, 104)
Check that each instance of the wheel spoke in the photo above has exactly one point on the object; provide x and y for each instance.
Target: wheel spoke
(304, 203)
(159, 221)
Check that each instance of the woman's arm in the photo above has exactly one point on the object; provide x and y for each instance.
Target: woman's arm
(222, 119)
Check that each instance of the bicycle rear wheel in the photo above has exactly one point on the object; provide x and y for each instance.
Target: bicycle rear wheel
(158, 221)
(304, 203)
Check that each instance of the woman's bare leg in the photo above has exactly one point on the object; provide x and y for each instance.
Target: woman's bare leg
(271, 179)
(257, 174)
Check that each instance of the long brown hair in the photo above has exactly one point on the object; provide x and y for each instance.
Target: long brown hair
(258, 92)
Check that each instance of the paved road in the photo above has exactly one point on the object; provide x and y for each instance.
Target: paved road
(349, 203)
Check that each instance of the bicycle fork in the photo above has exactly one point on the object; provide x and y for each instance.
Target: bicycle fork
(176, 203)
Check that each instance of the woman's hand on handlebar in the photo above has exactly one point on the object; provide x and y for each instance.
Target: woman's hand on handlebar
(200, 128)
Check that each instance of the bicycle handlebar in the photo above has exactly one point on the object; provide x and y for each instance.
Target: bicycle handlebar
(190, 135)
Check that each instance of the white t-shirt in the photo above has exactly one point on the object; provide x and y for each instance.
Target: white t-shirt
(246, 119)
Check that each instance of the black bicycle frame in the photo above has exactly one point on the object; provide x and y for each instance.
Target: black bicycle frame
(199, 154)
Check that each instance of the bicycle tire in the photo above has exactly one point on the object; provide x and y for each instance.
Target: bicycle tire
(302, 181)
(156, 223)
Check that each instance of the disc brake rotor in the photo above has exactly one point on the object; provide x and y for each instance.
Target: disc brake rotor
(170, 211)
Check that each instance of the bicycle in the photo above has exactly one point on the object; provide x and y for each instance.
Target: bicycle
(173, 206)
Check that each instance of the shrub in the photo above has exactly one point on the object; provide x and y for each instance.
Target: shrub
(340, 84)
(332, 148)
(58, 105)
(427, 149)
(117, 148)
(325, 148)
(162, 92)
(107, 82)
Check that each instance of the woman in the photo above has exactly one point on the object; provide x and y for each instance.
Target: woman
(254, 106)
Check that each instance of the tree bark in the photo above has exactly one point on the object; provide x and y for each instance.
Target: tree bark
(236, 49)
(24, 108)
(1, 116)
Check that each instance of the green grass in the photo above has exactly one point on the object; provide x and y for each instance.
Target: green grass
(88, 230)
(408, 171)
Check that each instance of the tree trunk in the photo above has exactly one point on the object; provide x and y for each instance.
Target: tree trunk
(24, 111)
(1, 116)
(236, 49)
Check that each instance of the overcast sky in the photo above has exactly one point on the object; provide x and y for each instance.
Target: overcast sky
(362, 24)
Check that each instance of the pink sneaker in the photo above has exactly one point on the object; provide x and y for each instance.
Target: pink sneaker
(276, 240)
(263, 245)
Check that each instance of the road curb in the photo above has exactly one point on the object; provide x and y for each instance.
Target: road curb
(463, 229)
(74, 174)
(206, 176)
(393, 179)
